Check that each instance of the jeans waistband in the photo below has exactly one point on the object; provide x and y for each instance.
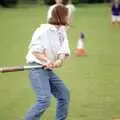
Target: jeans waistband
(42, 67)
(34, 63)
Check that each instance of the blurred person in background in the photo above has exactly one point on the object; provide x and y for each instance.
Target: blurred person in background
(49, 47)
(115, 9)
(71, 9)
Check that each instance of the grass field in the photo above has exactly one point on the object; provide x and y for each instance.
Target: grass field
(94, 80)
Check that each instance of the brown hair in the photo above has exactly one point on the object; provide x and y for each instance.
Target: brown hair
(59, 14)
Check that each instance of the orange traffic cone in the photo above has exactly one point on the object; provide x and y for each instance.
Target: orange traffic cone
(80, 51)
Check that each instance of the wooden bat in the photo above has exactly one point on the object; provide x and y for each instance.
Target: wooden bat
(18, 68)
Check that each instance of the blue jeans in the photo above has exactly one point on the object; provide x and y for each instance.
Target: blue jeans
(44, 83)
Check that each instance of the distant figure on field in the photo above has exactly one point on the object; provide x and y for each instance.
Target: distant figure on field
(115, 11)
(71, 9)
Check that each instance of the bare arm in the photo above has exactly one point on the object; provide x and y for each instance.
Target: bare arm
(59, 62)
(41, 56)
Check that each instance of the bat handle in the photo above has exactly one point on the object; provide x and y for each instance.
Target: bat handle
(12, 69)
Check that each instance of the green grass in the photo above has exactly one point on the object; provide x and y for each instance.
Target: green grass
(93, 80)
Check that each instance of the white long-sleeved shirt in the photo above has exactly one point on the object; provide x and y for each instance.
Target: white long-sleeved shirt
(50, 40)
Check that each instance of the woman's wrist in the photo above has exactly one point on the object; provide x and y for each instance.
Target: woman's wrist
(62, 60)
(58, 63)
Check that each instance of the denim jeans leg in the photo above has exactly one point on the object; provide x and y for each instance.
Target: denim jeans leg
(40, 84)
(61, 93)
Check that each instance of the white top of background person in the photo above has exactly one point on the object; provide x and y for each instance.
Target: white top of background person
(71, 9)
(49, 47)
